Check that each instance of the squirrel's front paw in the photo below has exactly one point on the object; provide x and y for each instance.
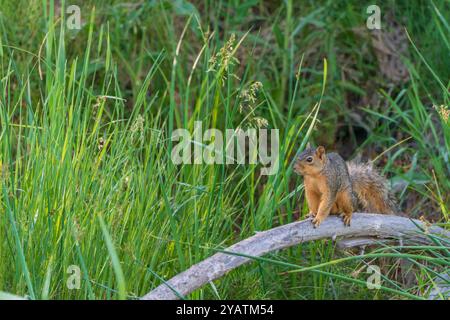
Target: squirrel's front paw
(317, 221)
(311, 215)
(346, 218)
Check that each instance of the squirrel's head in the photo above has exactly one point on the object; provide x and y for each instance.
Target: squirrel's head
(311, 161)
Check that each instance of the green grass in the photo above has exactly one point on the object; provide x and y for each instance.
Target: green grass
(86, 118)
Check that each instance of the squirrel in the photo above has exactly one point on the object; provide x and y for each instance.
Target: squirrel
(338, 187)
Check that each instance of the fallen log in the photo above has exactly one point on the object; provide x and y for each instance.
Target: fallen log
(441, 287)
(364, 225)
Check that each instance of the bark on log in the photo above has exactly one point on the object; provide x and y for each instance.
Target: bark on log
(441, 289)
(363, 225)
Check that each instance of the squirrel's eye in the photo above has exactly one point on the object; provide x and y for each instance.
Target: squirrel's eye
(309, 159)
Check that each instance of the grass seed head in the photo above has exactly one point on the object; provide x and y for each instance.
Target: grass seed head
(443, 111)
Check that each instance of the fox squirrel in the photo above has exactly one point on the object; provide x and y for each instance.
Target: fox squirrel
(334, 186)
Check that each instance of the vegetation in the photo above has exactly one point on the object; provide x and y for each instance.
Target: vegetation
(86, 118)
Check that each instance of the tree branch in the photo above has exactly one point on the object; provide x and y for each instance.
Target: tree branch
(363, 225)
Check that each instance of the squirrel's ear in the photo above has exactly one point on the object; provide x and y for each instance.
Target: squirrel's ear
(320, 151)
(308, 145)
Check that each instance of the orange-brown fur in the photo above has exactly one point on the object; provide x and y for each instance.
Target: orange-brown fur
(371, 189)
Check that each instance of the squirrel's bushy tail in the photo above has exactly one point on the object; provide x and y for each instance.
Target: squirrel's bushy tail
(371, 189)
